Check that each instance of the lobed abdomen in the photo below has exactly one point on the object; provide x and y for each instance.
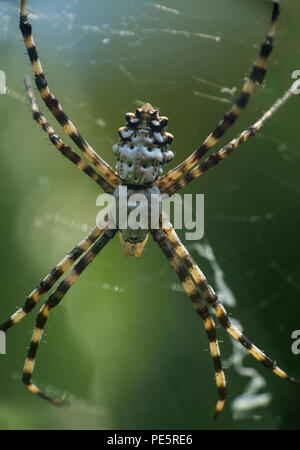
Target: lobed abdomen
(143, 149)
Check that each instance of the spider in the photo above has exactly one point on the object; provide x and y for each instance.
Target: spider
(142, 152)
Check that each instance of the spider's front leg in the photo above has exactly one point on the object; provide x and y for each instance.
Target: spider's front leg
(46, 284)
(53, 301)
(201, 309)
(214, 302)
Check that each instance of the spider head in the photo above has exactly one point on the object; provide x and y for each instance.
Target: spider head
(133, 249)
(138, 209)
(143, 149)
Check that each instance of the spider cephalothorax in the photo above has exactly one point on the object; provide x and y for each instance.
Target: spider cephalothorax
(143, 149)
(143, 204)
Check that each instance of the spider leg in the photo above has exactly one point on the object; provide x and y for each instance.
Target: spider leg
(256, 77)
(65, 150)
(54, 299)
(214, 302)
(201, 310)
(215, 158)
(53, 104)
(47, 283)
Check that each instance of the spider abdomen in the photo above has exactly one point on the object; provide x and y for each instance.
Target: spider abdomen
(143, 149)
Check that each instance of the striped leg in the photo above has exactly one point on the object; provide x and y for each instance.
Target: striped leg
(201, 310)
(256, 77)
(54, 106)
(213, 300)
(65, 150)
(53, 301)
(215, 158)
(47, 283)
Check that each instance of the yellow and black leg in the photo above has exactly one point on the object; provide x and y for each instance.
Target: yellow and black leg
(47, 283)
(215, 158)
(256, 76)
(53, 104)
(65, 150)
(54, 299)
(215, 303)
(201, 309)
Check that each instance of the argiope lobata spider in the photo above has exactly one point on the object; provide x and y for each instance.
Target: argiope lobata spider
(142, 152)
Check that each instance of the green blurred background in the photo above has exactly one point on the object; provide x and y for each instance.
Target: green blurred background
(125, 344)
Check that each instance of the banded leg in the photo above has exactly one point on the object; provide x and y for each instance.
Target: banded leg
(256, 77)
(201, 310)
(213, 301)
(53, 301)
(215, 158)
(47, 283)
(65, 150)
(54, 106)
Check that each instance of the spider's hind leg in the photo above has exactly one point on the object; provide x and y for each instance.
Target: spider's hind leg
(256, 77)
(54, 106)
(65, 150)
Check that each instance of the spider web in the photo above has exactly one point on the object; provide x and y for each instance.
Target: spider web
(191, 60)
